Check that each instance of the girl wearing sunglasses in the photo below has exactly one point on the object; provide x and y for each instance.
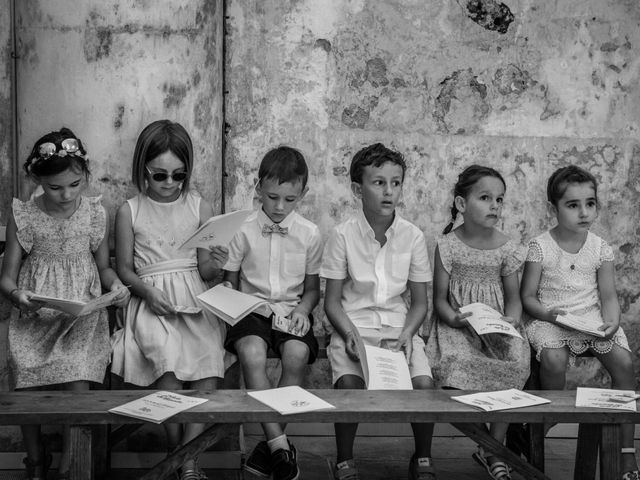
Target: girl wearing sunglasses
(57, 245)
(162, 345)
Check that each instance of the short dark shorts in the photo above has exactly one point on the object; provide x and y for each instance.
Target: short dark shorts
(260, 326)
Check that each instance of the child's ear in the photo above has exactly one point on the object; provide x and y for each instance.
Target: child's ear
(552, 209)
(356, 188)
(460, 203)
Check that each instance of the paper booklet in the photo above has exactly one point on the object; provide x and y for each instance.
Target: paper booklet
(158, 406)
(218, 230)
(289, 400)
(485, 319)
(606, 398)
(229, 304)
(582, 324)
(77, 308)
(501, 399)
(383, 369)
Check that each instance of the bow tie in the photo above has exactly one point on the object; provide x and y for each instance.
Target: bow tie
(275, 228)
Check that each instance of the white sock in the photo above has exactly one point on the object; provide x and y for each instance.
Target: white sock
(278, 443)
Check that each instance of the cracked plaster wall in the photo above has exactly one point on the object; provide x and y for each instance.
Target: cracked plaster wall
(525, 86)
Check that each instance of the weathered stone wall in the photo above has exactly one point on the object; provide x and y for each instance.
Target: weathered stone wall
(524, 87)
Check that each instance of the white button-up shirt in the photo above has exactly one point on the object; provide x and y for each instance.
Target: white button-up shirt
(375, 277)
(273, 267)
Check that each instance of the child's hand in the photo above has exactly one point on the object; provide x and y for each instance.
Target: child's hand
(219, 255)
(553, 313)
(609, 328)
(460, 320)
(227, 284)
(510, 320)
(301, 323)
(123, 299)
(159, 303)
(351, 347)
(405, 342)
(22, 300)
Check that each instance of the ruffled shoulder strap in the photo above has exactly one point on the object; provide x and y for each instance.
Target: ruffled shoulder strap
(604, 250)
(514, 255)
(98, 221)
(445, 249)
(23, 213)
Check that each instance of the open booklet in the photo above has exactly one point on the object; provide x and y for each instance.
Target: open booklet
(383, 369)
(229, 304)
(218, 230)
(157, 407)
(606, 398)
(78, 308)
(485, 319)
(289, 400)
(583, 324)
(501, 399)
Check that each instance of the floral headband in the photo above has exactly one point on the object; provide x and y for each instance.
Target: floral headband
(70, 146)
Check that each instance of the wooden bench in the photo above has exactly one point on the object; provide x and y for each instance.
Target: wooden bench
(225, 408)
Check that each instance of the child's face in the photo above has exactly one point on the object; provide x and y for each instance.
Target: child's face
(166, 190)
(380, 189)
(578, 208)
(483, 204)
(63, 189)
(279, 199)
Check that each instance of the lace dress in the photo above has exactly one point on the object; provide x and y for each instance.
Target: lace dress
(460, 358)
(189, 345)
(49, 347)
(569, 281)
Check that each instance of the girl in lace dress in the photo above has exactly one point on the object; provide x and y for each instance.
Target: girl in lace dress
(570, 270)
(160, 346)
(57, 245)
(475, 262)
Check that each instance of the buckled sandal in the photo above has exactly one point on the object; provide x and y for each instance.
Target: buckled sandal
(496, 470)
(632, 474)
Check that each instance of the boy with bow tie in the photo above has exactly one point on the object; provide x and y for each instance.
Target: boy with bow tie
(276, 255)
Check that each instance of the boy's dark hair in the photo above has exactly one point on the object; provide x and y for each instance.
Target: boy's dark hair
(375, 155)
(284, 164)
(563, 177)
(466, 180)
(157, 138)
(39, 166)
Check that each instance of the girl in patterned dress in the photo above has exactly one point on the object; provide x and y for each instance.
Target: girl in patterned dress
(57, 245)
(475, 262)
(160, 346)
(568, 269)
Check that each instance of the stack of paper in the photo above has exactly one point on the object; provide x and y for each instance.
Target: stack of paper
(501, 400)
(218, 230)
(289, 400)
(158, 406)
(581, 324)
(229, 304)
(485, 319)
(606, 398)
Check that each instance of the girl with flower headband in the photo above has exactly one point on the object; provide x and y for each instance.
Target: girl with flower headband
(163, 344)
(57, 245)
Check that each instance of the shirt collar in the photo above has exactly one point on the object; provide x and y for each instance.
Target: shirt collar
(365, 228)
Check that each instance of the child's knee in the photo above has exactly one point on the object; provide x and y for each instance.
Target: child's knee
(294, 355)
(350, 382)
(554, 360)
(422, 382)
(252, 352)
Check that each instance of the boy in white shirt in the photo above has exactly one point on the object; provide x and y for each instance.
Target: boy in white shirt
(276, 255)
(370, 261)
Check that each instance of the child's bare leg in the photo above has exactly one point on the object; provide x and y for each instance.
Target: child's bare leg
(252, 353)
(619, 364)
(346, 432)
(295, 355)
(553, 371)
(168, 381)
(499, 432)
(65, 454)
(422, 432)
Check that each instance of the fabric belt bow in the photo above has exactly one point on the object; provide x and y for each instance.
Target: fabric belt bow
(275, 228)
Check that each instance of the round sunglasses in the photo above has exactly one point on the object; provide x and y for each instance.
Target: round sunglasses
(162, 176)
(69, 146)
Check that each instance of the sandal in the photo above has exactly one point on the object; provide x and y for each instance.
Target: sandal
(192, 474)
(632, 474)
(43, 465)
(497, 470)
(347, 472)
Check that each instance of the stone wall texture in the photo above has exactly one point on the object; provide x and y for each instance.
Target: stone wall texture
(524, 87)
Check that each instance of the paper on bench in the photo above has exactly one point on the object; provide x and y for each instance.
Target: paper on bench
(158, 406)
(289, 400)
(218, 230)
(77, 308)
(229, 304)
(485, 319)
(582, 324)
(605, 398)
(501, 399)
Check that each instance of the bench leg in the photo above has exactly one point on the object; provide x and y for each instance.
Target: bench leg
(480, 435)
(101, 453)
(587, 451)
(80, 439)
(536, 445)
(610, 445)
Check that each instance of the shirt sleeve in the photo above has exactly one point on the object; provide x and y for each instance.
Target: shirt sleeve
(534, 253)
(606, 252)
(237, 248)
(314, 253)
(24, 230)
(334, 257)
(420, 268)
(98, 222)
(513, 259)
